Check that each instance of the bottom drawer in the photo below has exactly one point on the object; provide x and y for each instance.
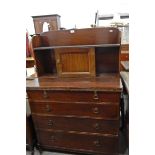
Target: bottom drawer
(78, 142)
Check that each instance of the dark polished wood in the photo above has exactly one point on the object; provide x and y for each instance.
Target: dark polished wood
(106, 111)
(53, 51)
(30, 134)
(107, 60)
(53, 21)
(73, 96)
(75, 61)
(88, 36)
(79, 141)
(67, 123)
(104, 82)
(77, 113)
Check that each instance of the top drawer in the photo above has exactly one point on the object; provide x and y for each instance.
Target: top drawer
(73, 96)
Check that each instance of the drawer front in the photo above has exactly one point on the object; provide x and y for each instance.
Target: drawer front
(92, 143)
(73, 96)
(106, 111)
(81, 125)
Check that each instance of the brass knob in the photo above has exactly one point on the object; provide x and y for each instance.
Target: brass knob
(97, 143)
(48, 108)
(95, 110)
(45, 94)
(96, 126)
(95, 96)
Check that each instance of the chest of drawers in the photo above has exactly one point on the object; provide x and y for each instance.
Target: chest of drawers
(82, 120)
(75, 99)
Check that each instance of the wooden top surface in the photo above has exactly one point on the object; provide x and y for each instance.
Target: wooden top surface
(125, 78)
(77, 46)
(106, 82)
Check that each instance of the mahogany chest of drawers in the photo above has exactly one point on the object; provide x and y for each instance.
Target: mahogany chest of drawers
(82, 120)
(75, 100)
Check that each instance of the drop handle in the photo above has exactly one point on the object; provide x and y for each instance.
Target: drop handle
(95, 96)
(50, 123)
(45, 94)
(97, 143)
(48, 108)
(96, 126)
(58, 61)
(95, 110)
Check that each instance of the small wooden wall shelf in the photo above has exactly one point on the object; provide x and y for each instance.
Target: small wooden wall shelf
(79, 52)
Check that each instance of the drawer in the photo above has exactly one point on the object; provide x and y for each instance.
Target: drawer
(81, 142)
(73, 96)
(76, 124)
(107, 111)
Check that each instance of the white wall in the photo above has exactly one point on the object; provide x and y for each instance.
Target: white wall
(80, 13)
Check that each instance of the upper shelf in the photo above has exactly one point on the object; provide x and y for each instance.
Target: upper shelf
(77, 46)
(89, 37)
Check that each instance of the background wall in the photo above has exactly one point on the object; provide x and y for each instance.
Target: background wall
(80, 13)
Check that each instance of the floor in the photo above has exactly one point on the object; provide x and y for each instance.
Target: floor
(46, 153)
(56, 153)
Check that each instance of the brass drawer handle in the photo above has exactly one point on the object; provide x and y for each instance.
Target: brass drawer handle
(96, 126)
(45, 94)
(48, 108)
(97, 143)
(95, 110)
(95, 96)
(50, 123)
(58, 61)
(52, 138)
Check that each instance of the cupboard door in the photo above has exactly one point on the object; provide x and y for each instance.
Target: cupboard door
(73, 62)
